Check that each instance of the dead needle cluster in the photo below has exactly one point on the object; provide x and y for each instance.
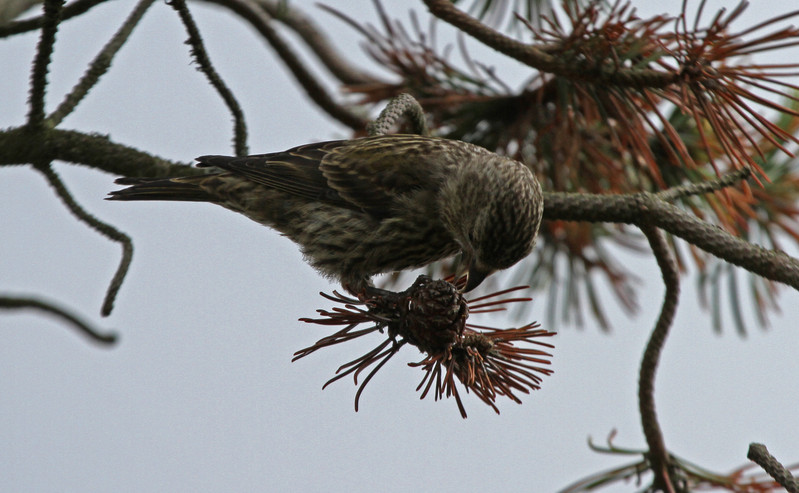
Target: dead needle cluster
(432, 316)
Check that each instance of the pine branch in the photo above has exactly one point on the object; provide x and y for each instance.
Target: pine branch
(21, 145)
(538, 58)
(645, 208)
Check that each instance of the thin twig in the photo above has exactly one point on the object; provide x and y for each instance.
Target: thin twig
(74, 9)
(314, 37)
(41, 62)
(759, 454)
(104, 229)
(252, 13)
(701, 188)
(204, 61)
(16, 303)
(99, 66)
(658, 454)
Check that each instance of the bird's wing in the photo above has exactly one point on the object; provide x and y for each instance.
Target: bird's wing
(373, 172)
(295, 171)
(366, 174)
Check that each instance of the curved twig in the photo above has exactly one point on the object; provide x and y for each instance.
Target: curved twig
(201, 55)
(104, 229)
(99, 66)
(41, 62)
(402, 104)
(16, 303)
(252, 13)
(658, 454)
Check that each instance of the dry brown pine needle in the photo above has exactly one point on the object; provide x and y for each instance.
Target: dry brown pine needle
(432, 315)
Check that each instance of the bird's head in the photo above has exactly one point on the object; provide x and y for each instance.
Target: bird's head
(493, 207)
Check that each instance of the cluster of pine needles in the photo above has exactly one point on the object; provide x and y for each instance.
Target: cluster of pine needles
(432, 315)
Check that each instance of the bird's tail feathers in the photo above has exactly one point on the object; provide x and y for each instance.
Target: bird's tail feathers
(181, 189)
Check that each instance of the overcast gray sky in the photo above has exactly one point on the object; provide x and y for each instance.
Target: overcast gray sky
(200, 393)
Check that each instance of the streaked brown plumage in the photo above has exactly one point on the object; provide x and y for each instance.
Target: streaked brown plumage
(378, 204)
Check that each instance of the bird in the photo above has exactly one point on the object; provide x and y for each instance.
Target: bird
(373, 205)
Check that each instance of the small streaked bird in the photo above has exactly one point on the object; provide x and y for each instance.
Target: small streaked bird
(373, 205)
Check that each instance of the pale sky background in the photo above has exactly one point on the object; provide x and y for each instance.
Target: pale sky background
(200, 393)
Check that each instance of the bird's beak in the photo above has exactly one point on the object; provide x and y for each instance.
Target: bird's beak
(475, 276)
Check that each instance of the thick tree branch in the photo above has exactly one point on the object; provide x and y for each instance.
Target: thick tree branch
(22, 145)
(646, 209)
